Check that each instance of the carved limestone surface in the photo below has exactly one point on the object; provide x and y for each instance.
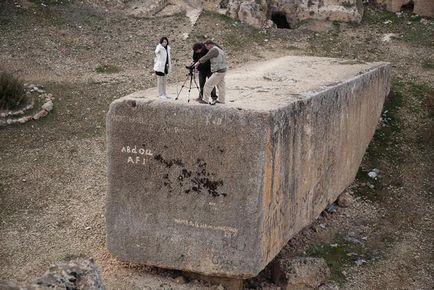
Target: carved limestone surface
(219, 190)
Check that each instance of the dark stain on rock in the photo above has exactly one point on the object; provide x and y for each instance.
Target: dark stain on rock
(168, 163)
(199, 181)
(167, 182)
(186, 173)
(202, 182)
(207, 185)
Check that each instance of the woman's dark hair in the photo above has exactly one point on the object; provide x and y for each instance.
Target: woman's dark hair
(197, 46)
(164, 38)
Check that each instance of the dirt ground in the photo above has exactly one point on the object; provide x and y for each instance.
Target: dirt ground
(53, 171)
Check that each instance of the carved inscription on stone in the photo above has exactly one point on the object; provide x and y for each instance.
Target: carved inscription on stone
(136, 155)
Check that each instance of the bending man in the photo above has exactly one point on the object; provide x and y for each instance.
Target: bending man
(204, 69)
(217, 58)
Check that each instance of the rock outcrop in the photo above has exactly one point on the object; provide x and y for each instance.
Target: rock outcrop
(420, 7)
(257, 12)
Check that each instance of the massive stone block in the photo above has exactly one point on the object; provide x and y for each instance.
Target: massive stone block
(221, 189)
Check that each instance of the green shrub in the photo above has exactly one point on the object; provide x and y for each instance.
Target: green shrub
(12, 93)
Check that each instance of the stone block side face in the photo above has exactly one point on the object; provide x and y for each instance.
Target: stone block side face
(314, 152)
(183, 186)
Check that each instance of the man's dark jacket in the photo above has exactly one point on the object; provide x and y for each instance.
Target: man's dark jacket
(203, 67)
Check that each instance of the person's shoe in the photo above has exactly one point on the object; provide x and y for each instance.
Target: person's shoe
(213, 102)
(167, 97)
(163, 97)
(201, 101)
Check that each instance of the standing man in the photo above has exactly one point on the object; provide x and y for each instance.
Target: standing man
(217, 58)
(199, 50)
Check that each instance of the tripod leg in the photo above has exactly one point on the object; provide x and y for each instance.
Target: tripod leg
(189, 88)
(197, 87)
(183, 85)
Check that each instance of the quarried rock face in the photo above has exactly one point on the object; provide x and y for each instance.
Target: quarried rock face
(221, 189)
(331, 10)
(424, 7)
(420, 7)
(256, 13)
(251, 12)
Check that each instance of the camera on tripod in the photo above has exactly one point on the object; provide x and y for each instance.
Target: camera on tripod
(190, 69)
(191, 77)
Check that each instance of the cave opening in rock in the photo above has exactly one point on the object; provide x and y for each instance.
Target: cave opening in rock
(279, 18)
(224, 4)
(409, 7)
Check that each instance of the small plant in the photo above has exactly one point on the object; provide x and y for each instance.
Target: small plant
(12, 93)
(107, 69)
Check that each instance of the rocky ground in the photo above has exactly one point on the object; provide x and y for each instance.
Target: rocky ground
(52, 174)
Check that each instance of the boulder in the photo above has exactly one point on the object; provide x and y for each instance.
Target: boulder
(345, 199)
(80, 274)
(301, 273)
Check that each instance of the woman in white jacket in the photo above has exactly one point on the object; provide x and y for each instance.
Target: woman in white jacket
(162, 66)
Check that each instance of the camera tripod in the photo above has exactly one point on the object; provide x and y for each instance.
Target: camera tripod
(190, 76)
